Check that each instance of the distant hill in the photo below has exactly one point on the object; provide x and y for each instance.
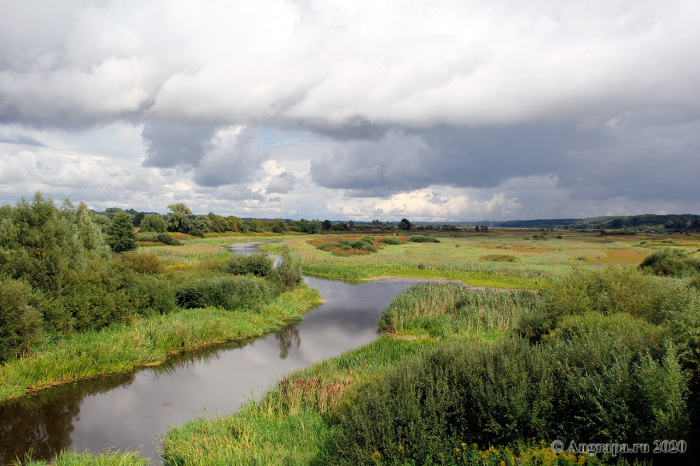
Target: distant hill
(671, 222)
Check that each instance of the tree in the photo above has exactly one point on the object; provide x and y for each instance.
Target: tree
(404, 224)
(178, 220)
(121, 233)
(154, 223)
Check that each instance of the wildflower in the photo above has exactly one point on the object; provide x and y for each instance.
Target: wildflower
(376, 454)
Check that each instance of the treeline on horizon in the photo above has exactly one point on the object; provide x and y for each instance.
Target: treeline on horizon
(182, 220)
(646, 222)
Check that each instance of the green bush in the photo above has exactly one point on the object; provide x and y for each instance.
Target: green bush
(258, 264)
(197, 232)
(423, 239)
(20, 318)
(390, 241)
(144, 262)
(288, 272)
(593, 387)
(226, 292)
(670, 262)
(168, 239)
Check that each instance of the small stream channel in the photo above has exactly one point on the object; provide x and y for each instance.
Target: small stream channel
(130, 411)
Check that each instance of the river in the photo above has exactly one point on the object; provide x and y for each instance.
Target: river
(131, 411)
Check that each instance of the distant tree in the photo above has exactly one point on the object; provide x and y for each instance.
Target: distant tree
(404, 224)
(138, 217)
(121, 236)
(351, 224)
(178, 220)
(476, 228)
(154, 223)
(326, 226)
(484, 228)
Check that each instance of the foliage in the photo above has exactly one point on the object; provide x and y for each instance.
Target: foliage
(20, 318)
(670, 262)
(178, 219)
(226, 292)
(197, 232)
(404, 224)
(288, 271)
(168, 239)
(593, 388)
(144, 262)
(391, 241)
(258, 264)
(153, 223)
(121, 233)
(423, 239)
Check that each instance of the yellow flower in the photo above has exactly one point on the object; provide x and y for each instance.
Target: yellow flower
(456, 449)
(377, 454)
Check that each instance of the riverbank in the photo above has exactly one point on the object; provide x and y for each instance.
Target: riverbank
(470, 389)
(148, 341)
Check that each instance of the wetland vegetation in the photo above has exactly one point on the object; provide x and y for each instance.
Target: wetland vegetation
(588, 336)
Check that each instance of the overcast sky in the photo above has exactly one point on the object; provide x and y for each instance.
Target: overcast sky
(430, 110)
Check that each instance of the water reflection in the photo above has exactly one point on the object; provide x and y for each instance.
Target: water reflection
(132, 411)
(285, 336)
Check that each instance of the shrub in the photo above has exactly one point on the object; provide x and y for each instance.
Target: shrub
(390, 241)
(226, 292)
(258, 264)
(423, 239)
(592, 387)
(288, 271)
(152, 294)
(196, 232)
(168, 239)
(670, 262)
(20, 318)
(96, 296)
(144, 262)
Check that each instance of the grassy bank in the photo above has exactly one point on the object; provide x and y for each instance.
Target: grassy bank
(147, 341)
(115, 458)
(471, 378)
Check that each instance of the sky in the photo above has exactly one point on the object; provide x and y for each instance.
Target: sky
(428, 110)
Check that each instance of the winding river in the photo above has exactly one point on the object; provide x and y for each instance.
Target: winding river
(131, 411)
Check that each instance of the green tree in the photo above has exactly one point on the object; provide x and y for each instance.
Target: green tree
(154, 223)
(404, 224)
(326, 225)
(121, 233)
(178, 220)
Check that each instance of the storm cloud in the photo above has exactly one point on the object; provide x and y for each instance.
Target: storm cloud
(388, 102)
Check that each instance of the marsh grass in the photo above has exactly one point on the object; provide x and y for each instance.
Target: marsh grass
(108, 458)
(147, 341)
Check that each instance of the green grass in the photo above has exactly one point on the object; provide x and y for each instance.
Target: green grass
(109, 458)
(147, 341)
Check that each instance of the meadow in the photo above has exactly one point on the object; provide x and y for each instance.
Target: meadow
(501, 259)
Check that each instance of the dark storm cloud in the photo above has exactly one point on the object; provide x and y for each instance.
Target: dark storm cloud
(645, 163)
(461, 157)
(170, 144)
(231, 162)
(20, 139)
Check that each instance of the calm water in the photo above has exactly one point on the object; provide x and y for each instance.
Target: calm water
(132, 410)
